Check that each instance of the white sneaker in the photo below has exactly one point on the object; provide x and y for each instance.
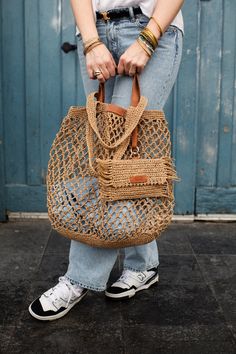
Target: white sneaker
(131, 282)
(57, 301)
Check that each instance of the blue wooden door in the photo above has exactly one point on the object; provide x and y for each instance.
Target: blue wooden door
(205, 130)
(38, 85)
(38, 82)
(216, 127)
(203, 111)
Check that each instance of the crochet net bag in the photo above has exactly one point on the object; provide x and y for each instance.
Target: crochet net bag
(110, 173)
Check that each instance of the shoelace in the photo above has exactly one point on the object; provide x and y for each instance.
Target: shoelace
(60, 291)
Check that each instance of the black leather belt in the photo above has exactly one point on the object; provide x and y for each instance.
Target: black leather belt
(117, 13)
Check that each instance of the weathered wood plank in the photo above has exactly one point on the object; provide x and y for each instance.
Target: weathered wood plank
(50, 75)
(225, 158)
(2, 163)
(233, 164)
(185, 114)
(14, 89)
(80, 95)
(32, 77)
(68, 60)
(209, 92)
(216, 200)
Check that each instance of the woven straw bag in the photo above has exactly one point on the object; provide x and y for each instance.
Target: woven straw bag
(110, 173)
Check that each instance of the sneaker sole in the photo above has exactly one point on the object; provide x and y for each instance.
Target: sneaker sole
(130, 293)
(59, 315)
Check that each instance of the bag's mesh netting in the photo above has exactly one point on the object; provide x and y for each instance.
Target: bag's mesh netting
(75, 206)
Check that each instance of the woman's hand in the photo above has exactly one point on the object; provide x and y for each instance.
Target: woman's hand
(133, 60)
(100, 59)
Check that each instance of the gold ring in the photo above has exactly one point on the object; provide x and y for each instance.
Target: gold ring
(97, 72)
(132, 73)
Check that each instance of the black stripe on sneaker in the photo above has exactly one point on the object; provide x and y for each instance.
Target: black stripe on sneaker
(149, 280)
(153, 269)
(117, 290)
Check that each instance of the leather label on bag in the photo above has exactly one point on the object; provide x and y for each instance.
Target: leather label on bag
(138, 179)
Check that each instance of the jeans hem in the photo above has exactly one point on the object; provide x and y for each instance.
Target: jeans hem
(140, 270)
(85, 286)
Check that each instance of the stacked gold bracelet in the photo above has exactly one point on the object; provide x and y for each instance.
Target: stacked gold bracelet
(91, 43)
(158, 25)
(148, 41)
(149, 36)
(144, 46)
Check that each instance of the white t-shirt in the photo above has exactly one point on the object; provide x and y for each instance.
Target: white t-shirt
(147, 7)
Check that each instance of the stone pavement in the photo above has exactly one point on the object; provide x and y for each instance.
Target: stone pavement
(192, 310)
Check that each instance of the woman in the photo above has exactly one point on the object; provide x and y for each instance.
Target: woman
(117, 39)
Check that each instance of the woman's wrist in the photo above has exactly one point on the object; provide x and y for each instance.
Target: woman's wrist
(86, 36)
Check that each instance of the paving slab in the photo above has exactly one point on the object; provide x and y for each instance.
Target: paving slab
(13, 295)
(213, 238)
(57, 244)
(194, 339)
(22, 237)
(172, 241)
(184, 305)
(51, 339)
(179, 269)
(219, 272)
(6, 335)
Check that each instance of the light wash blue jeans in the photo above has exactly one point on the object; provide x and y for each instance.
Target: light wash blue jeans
(90, 267)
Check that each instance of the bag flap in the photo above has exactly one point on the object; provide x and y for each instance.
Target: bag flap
(142, 172)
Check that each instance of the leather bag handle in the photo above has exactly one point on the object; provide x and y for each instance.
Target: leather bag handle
(135, 96)
(133, 114)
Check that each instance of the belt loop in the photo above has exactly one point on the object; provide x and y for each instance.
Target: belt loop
(131, 13)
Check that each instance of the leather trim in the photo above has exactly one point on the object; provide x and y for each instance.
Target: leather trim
(138, 179)
(101, 92)
(135, 91)
(135, 138)
(134, 102)
(110, 107)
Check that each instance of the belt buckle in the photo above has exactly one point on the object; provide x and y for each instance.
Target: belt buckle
(105, 15)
